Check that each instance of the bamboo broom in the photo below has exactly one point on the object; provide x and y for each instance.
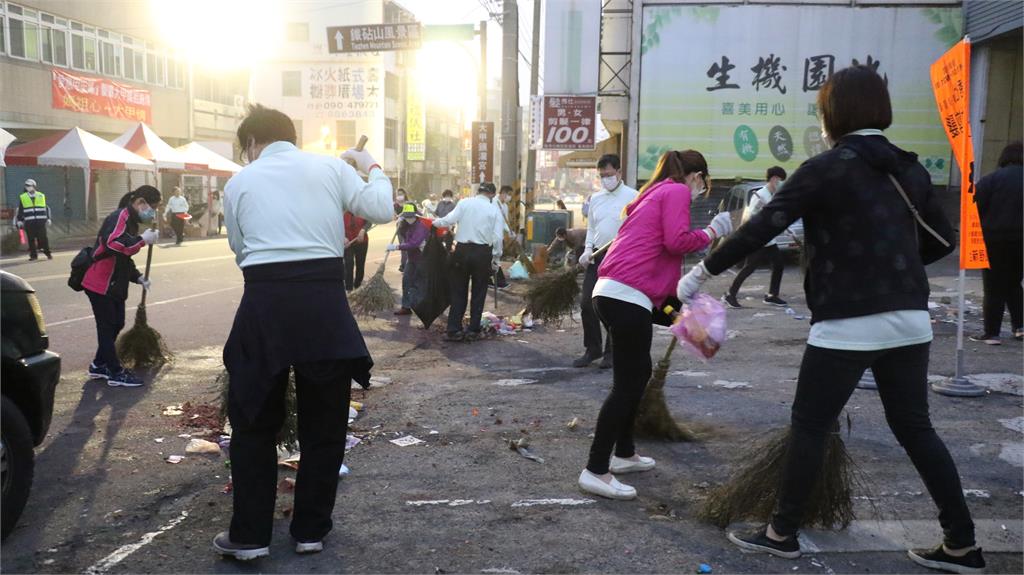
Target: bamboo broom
(142, 347)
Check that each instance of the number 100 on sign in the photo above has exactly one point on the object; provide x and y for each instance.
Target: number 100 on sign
(569, 122)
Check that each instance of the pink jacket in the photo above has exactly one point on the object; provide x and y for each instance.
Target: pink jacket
(647, 254)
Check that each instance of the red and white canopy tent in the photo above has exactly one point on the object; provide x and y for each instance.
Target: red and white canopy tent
(217, 164)
(143, 141)
(76, 148)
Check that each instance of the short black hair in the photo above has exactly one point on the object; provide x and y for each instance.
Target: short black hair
(485, 188)
(560, 232)
(1011, 155)
(609, 160)
(265, 125)
(853, 99)
(447, 193)
(400, 190)
(775, 171)
(505, 188)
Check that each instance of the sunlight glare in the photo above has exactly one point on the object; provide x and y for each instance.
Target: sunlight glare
(225, 34)
(446, 73)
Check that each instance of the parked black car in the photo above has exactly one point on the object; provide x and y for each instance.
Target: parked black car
(30, 375)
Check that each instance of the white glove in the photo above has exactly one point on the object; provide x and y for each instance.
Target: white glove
(49, 222)
(150, 236)
(362, 158)
(20, 225)
(691, 283)
(391, 247)
(720, 226)
(588, 254)
(145, 283)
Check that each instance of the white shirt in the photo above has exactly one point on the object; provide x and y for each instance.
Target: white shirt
(289, 205)
(607, 287)
(503, 207)
(479, 222)
(176, 205)
(605, 214)
(873, 332)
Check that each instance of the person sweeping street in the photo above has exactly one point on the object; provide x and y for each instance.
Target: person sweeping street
(413, 231)
(872, 222)
(33, 216)
(637, 275)
(107, 278)
(478, 237)
(606, 214)
(294, 315)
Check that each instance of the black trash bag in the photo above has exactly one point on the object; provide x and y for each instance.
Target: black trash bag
(436, 293)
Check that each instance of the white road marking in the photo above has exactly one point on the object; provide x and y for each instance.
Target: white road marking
(150, 304)
(103, 565)
(64, 275)
(535, 502)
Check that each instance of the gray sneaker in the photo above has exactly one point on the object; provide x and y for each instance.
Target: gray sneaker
(223, 545)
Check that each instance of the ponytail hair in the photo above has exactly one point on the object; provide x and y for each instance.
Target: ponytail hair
(146, 192)
(674, 165)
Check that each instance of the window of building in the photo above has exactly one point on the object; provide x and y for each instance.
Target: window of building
(154, 65)
(83, 47)
(298, 32)
(111, 58)
(390, 134)
(291, 83)
(175, 73)
(3, 34)
(346, 134)
(391, 86)
(24, 32)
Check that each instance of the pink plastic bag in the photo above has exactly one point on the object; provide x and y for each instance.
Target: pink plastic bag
(700, 327)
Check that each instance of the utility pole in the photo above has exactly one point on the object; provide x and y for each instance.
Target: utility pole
(530, 185)
(482, 80)
(510, 96)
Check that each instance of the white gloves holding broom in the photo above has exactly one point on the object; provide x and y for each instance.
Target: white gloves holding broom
(150, 236)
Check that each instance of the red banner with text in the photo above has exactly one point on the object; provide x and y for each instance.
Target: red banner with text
(100, 96)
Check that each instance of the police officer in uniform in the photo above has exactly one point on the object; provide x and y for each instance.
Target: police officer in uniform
(34, 215)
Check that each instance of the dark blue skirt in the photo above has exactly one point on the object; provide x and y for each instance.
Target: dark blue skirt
(291, 312)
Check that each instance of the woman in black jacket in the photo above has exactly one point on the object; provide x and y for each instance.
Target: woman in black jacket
(867, 291)
(106, 281)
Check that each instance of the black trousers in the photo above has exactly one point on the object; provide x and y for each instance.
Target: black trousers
(109, 315)
(771, 254)
(592, 323)
(827, 378)
(629, 328)
(470, 263)
(35, 234)
(355, 264)
(322, 391)
(1002, 285)
(178, 225)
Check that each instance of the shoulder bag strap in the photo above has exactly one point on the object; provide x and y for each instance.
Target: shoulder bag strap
(917, 216)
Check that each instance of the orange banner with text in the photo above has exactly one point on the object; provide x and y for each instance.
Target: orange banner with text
(951, 82)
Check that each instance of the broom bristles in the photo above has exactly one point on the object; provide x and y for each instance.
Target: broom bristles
(374, 296)
(752, 492)
(552, 295)
(142, 347)
(653, 419)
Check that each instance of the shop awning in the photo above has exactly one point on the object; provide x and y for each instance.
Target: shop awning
(217, 164)
(75, 148)
(589, 158)
(143, 141)
(5, 140)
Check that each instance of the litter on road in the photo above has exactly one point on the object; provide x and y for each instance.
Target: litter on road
(406, 441)
(201, 446)
(731, 384)
(174, 458)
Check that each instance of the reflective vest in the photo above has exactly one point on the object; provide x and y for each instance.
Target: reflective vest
(33, 208)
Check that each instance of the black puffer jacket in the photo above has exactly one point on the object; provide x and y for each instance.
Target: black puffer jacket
(860, 242)
(1000, 197)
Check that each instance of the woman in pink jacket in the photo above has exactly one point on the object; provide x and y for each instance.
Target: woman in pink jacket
(638, 274)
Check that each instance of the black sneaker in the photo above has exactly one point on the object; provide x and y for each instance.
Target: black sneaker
(774, 300)
(731, 301)
(98, 371)
(124, 378)
(49, 256)
(455, 336)
(759, 541)
(585, 360)
(985, 338)
(223, 545)
(937, 558)
(606, 361)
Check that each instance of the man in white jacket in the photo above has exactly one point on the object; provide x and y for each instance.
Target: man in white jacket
(285, 218)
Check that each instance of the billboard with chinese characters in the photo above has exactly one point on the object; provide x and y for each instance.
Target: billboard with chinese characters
(374, 38)
(569, 122)
(100, 96)
(344, 91)
(415, 123)
(740, 83)
(482, 148)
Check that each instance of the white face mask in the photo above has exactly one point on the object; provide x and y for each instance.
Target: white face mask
(610, 182)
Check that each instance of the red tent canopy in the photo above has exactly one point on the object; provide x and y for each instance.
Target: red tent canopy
(75, 148)
(143, 141)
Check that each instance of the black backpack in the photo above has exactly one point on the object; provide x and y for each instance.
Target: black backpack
(79, 265)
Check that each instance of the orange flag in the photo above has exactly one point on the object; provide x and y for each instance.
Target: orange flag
(951, 82)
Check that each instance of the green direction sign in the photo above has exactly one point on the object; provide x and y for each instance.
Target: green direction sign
(449, 32)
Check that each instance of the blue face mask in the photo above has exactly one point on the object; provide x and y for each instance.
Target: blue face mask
(147, 214)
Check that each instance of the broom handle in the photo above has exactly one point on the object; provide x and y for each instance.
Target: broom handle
(663, 364)
(149, 260)
(386, 254)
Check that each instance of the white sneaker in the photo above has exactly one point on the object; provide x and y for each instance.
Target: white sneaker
(615, 490)
(312, 547)
(620, 465)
